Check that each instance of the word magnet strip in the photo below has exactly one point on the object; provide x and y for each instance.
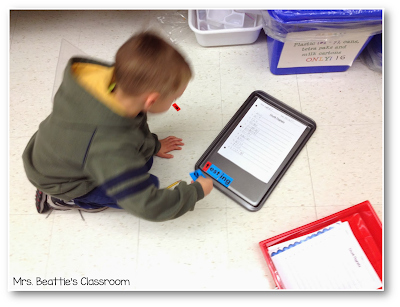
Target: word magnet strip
(218, 175)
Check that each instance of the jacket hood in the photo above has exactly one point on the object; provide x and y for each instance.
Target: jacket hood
(83, 96)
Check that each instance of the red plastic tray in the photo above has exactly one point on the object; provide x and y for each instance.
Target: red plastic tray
(364, 223)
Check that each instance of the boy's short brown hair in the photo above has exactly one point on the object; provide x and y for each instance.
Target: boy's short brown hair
(146, 62)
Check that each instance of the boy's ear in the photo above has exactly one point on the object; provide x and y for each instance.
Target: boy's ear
(150, 100)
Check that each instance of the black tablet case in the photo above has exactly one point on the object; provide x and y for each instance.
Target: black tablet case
(249, 185)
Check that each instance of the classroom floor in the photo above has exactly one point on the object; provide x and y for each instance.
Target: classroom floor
(214, 247)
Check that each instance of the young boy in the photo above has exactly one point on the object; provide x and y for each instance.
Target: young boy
(95, 149)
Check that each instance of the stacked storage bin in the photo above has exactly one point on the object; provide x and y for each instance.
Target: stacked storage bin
(372, 54)
(310, 41)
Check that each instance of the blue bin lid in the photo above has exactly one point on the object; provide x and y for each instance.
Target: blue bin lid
(321, 16)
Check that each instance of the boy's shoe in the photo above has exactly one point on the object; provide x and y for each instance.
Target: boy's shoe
(41, 202)
(45, 202)
(59, 204)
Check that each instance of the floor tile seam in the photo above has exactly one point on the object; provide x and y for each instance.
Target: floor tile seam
(50, 244)
(312, 183)
(308, 156)
(197, 208)
(21, 71)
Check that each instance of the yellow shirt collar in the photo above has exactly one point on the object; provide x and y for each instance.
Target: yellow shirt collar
(96, 80)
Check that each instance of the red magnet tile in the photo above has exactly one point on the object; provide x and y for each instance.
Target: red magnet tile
(176, 107)
(207, 166)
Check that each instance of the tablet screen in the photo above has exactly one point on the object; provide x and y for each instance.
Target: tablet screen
(262, 140)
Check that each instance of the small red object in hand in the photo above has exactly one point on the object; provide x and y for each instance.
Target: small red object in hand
(176, 107)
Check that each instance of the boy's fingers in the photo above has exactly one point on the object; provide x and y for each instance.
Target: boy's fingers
(172, 148)
(173, 138)
(174, 144)
(163, 154)
(175, 141)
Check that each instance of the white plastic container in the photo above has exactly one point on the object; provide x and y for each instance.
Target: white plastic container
(223, 37)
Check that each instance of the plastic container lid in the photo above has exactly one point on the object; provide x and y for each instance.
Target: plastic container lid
(278, 23)
(311, 16)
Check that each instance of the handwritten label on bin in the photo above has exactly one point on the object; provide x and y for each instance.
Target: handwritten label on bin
(321, 48)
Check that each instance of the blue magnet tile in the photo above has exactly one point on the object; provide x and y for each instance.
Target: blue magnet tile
(196, 174)
(200, 173)
(214, 172)
(225, 180)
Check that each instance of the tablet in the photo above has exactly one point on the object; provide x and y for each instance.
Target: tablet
(254, 150)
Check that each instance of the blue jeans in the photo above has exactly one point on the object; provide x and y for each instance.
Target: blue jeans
(95, 199)
(98, 198)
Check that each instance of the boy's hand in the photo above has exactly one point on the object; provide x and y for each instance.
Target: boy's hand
(206, 184)
(168, 144)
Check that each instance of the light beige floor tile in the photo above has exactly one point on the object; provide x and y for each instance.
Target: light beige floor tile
(172, 25)
(37, 37)
(346, 98)
(247, 229)
(29, 249)
(106, 30)
(199, 56)
(379, 81)
(183, 254)
(30, 101)
(103, 246)
(23, 59)
(49, 21)
(22, 192)
(255, 52)
(106, 48)
(178, 168)
(200, 109)
(346, 164)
